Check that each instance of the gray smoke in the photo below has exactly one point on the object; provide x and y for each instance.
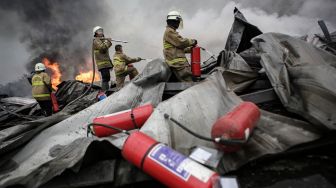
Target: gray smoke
(57, 30)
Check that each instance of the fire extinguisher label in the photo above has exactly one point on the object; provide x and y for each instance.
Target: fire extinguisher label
(171, 160)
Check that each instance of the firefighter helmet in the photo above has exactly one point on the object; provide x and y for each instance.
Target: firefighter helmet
(174, 15)
(95, 29)
(40, 67)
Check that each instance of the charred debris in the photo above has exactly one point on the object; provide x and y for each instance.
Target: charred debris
(292, 79)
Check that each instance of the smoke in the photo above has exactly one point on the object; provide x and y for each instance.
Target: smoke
(61, 30)
(142, 22)
(57, 30)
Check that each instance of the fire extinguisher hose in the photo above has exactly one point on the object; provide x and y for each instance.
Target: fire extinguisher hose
(219, 140)
(89, 130)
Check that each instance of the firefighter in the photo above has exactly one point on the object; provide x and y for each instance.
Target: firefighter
(41, 88)
(175, 47)
(123, 66)
(101, 47)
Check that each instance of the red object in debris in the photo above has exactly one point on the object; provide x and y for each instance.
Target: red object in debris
(126, 120)
(196, 62)
(130, 65)
(165, 164)
(238, 124)
(54, 102)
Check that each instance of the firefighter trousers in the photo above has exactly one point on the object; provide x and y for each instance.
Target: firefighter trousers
(120, 79)
(46, 107)
(182, 74)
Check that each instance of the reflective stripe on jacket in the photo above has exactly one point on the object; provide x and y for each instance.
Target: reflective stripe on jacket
(175, 47)
(41, 86)
(120, 62)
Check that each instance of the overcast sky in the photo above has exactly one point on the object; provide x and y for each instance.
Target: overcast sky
(141, 22)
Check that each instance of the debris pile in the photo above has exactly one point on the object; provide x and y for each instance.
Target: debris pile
(291, 81)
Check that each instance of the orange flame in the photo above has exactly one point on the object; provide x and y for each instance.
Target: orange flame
(55, 72)
(87, 77)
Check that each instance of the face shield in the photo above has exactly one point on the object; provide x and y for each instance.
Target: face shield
(179, 18)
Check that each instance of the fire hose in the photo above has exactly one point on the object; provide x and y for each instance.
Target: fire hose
(93, 77)
(212, 56)
(94, 72)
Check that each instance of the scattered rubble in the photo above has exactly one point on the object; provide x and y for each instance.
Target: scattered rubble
(292, 81)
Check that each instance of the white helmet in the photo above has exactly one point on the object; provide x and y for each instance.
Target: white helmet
(40, 67)
(95, 29)
(175, 15)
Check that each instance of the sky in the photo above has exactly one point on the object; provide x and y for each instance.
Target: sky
(62, 30)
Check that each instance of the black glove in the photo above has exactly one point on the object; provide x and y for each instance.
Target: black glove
(194, 42)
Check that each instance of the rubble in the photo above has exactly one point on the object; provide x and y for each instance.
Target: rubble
(272, 70)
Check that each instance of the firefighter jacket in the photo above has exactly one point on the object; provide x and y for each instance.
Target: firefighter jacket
(41, 86)
(175, 47)
(101, 52)
(120, 62)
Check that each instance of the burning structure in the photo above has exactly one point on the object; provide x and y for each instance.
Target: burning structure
(295, 130)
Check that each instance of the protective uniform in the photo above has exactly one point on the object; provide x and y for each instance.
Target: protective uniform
(102, 57)
(174, 49)
(122, 68)
(41, 90)
(101, 53)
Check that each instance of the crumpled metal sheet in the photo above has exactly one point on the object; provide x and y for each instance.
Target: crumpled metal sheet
(18, 100)
(200, 106)
(241, 33)
(23, 131)
(64, 145)
(238, 75)
(274, 134)
(302, 75)
(70, 90)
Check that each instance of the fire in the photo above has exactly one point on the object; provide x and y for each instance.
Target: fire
(85, 72)
(55, 72)
(87, 77)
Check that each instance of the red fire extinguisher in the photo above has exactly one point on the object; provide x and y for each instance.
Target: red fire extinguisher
(126, 120)
(54, 102)
(237, 125)
(196, 63)
(166, 165)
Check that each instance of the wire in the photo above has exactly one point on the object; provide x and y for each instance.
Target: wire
(219, 140)
(89, 130)
(211, 54)
(93, 77)
(188, 130)
(15, 114)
